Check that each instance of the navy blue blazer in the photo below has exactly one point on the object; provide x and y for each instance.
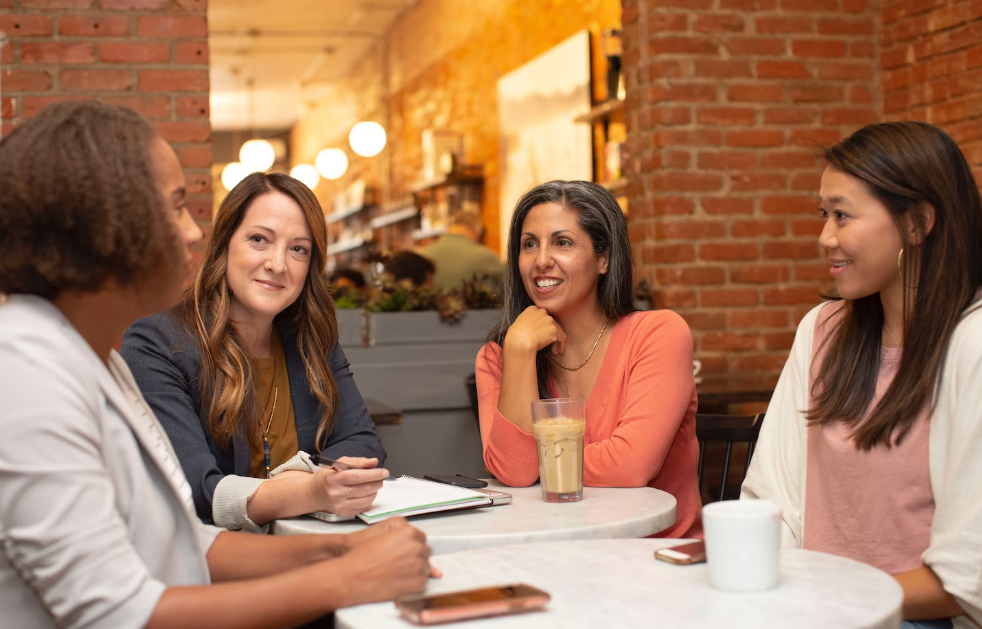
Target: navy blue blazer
(165, 362)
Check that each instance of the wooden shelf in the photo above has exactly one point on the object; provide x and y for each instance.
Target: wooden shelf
(601, 111)
(451, 180)
(345, 245)
(391, 218)
(343, 213)
(615, 187)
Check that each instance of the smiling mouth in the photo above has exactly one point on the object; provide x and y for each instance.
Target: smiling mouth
(840, 265)
(547, 283)
(269, 284)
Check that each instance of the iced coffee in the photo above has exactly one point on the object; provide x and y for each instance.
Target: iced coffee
(559, 428)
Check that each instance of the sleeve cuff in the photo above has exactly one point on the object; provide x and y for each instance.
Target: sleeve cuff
(229, 504)
(299, 463)
(136, 610)
(510, 442)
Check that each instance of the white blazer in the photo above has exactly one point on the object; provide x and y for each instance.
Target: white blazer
(96, 518)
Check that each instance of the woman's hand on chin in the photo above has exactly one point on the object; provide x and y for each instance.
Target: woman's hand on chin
(533, 330)
(348, 492)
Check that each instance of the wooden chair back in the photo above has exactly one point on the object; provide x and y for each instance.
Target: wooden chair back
(728, 429)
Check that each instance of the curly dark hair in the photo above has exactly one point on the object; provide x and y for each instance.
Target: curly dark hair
(79, 203)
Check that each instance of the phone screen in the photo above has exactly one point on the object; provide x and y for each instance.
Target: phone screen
(470, 597)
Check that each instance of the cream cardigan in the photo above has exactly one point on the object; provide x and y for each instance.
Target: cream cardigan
(955, 554)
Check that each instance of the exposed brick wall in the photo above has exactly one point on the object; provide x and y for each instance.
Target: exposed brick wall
(931, 55)
(149, 55)
(443, 63)
(727, 102)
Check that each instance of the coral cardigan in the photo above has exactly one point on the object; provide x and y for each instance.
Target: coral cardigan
(640, 417)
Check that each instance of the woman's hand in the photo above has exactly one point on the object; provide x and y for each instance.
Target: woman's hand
(533, 330)
(359, 538)
(390, 563)
(347, 492)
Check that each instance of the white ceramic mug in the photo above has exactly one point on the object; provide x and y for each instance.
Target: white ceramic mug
(743, 539)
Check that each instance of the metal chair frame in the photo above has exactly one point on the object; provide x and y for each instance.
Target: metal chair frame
(729, 429)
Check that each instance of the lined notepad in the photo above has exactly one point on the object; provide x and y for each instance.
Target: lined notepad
(405, 496)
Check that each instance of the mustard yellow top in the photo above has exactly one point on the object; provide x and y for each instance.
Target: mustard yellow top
(282, 434)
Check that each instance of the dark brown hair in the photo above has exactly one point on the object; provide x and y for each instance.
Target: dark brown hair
(228, 379)
(79, 204)
(907, 166)
(599, 215)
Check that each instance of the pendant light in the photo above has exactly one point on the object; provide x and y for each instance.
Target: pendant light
(233, 173)
(305, 174)
(331, 163)
(367, 138)
(257, 155)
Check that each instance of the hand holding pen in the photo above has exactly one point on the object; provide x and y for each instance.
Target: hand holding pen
(347, 486)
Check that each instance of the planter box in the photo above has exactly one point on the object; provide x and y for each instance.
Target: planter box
(351, 327)
(413, 328)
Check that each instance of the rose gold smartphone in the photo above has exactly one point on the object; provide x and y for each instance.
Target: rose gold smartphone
(452, 606)
(683, 555)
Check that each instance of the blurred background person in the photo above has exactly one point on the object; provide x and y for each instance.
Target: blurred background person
(459, 254)
(408, 265)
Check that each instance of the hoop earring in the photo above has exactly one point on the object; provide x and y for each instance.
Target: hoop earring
(900, 257)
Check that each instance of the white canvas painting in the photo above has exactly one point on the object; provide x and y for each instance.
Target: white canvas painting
(539, 140)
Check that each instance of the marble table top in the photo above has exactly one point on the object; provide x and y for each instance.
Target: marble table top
(604, 513)
(618, 583)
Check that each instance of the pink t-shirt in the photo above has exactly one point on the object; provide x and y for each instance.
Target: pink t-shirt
(875, 507)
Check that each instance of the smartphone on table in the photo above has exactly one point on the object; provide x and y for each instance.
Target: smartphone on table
(693, 552)
(457, 480)
(453, 606)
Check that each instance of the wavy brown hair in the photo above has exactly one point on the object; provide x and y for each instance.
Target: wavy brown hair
(228, 378)
(907, 166)
(79, 204)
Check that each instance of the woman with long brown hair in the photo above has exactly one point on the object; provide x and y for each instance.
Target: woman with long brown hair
(871, 442)
(246, 374)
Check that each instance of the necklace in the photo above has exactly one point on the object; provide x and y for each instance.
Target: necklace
(276, 392)
(559, 364)
(890, 334)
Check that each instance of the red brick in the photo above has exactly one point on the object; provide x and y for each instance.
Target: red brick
(192, 107)
(30, 105)
(727, 161)
(25, 80)
(789, 115)
(862, 49)
(689, 230)
(791, 250)
(706, 320)
(750, 182)
(682, 46)
(756, 46)
(666, 69)
(55, 4)
(6, 52)
(154, 107)
(807, 227)
(846, 71)
(183, 132)
(757, 138)
(191, 52)
(843, 26)
(672, 115)
(817, 93)
(172, 26)
(818, 48)
(673, 137)
(663, 206)
(758, 318)
(695, 93)
(895, 57)
(686, 4)
(174, 80)
(782, 70)
(719, 23)
(814, 137)
(849, 116)
(668, 22)
(810, 5)
(728, 251)
(674, 253)
(755, 93)
(675, 159)
(855, 6)
(811, 272)
(676, 298)
(728, 341)
(758, 364)
(758, 274)
(701, 275)
(748, 5)
(725, 116)
(194, 6)
(26, 25)
(95, 80)
(724, 69)
(789, 159)
(728, 297)
(784, 25)
(8, 107)
(790, 296)
(810, 181)
(57, 52)
(134, 52)
(125, 5)
(198, 181)
(201, 209)
(93, 25)
(727, 205)
(685, 181)
(778, 340)
(752, 229)
(780, 205)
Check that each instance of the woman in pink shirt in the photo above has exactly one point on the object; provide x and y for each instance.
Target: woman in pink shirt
(569, 329)
(871, 442)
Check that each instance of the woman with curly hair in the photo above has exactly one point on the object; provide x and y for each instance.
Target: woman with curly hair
(97, 523)
(246, 374)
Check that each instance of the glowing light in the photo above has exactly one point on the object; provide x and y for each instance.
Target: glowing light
(331, 163)
(232, 174)
(367, 139)
(257, 155)
(306, 174)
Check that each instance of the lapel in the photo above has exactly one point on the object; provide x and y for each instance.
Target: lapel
(305, 406)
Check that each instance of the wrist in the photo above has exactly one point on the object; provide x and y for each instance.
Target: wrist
(518, 350)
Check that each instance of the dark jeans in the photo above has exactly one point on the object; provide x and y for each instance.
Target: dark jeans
(940, 623)
(327, 622)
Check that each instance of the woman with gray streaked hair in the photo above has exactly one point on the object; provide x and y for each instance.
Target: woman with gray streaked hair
(569, 328)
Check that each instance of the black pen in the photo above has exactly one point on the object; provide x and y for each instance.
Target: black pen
(334, 464)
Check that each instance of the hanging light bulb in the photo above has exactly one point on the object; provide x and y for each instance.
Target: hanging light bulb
(305, 174)
(331, 163)
(367, 138)
(257, 155)
(232, 174)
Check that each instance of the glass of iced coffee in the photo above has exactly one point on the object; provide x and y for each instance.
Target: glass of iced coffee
(559, 426)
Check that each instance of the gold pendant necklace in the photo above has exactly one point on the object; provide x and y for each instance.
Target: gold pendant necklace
(559, 364)
(276, 392)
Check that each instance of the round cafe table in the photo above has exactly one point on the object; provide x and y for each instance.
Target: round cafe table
(604, 513)
(618, 583)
